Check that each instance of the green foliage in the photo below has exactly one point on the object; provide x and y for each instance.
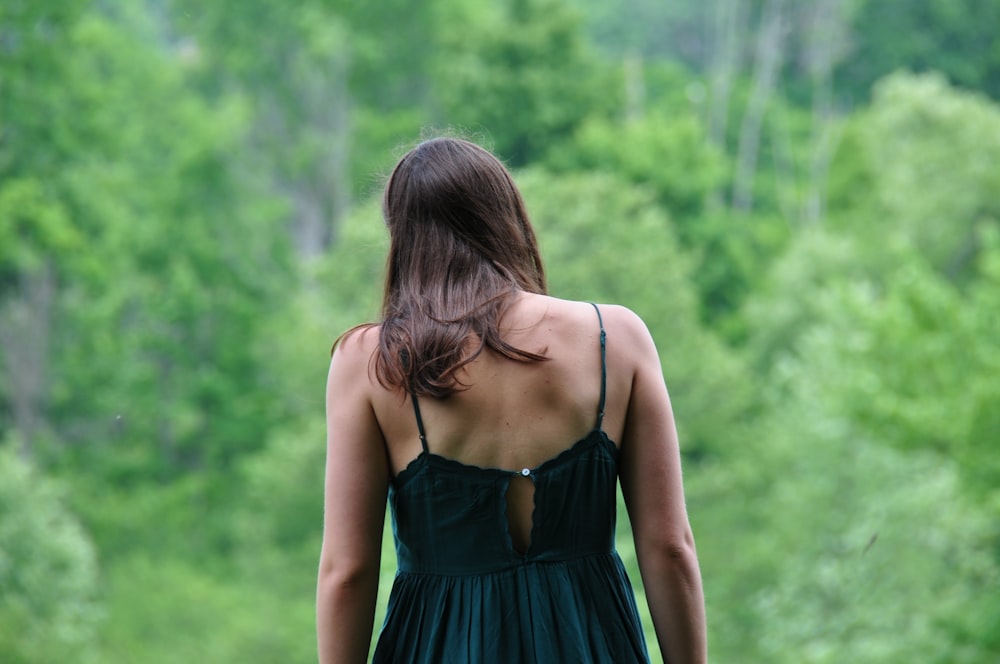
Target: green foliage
(786, 303)
(925, 359)
(955, 37)
(932, 153)
(128, 516)
(33, 226)
(162, 352)
(933, 547)
(667, 153)
(912, 182)
(36, 35)
(647, 27)
(161, 309)
(878, 576)
(520, 73)
(168, 611)
(283, 503)
(49, 605)
(884, 389)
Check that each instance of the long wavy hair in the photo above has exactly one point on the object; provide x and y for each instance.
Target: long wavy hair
(460, 247)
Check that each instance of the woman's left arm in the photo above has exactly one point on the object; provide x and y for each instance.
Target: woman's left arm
(357, 481)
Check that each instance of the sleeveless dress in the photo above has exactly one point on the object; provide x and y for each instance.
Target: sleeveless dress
(463, 593)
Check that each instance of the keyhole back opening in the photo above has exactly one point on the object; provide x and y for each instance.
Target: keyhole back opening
(520, 500)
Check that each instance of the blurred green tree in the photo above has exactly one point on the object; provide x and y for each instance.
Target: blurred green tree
(956, 38)
(295, 77)
(50, 607)
(35, 222)
(157, 339)
(919, 165)
(521, 74)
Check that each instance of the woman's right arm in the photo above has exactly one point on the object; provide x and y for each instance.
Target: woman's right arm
(357, 480)
(654, 495)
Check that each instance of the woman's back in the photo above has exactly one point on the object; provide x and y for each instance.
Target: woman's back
(505, 544)
(515, 415)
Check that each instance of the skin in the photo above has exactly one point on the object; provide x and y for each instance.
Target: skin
(512, 415)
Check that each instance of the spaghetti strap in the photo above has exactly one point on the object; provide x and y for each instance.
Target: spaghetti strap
(420, 421)
(604, 367)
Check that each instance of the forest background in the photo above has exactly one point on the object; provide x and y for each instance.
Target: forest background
(801, 198)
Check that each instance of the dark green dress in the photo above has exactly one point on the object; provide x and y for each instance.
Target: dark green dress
(463, 593)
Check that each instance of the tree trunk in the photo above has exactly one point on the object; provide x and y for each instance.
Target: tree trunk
(767, 64)
(25, 330)
(729, 23)
(318, 126)
(729, 20)
(827, 40)
(635, 88)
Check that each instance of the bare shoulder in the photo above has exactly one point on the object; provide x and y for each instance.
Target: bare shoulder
(360, 340)
(625, 321)
(627, 332)
(623, 326)
(629, 342)
(350, 386)
(353, 351)
(575, 311)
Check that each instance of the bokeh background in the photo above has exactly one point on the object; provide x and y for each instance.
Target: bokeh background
(801, 198)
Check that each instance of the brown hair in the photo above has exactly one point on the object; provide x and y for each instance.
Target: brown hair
(460, 246)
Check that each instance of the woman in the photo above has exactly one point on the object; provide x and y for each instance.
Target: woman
(462, 407)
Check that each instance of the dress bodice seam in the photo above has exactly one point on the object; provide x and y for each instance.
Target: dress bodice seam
(426, 457)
